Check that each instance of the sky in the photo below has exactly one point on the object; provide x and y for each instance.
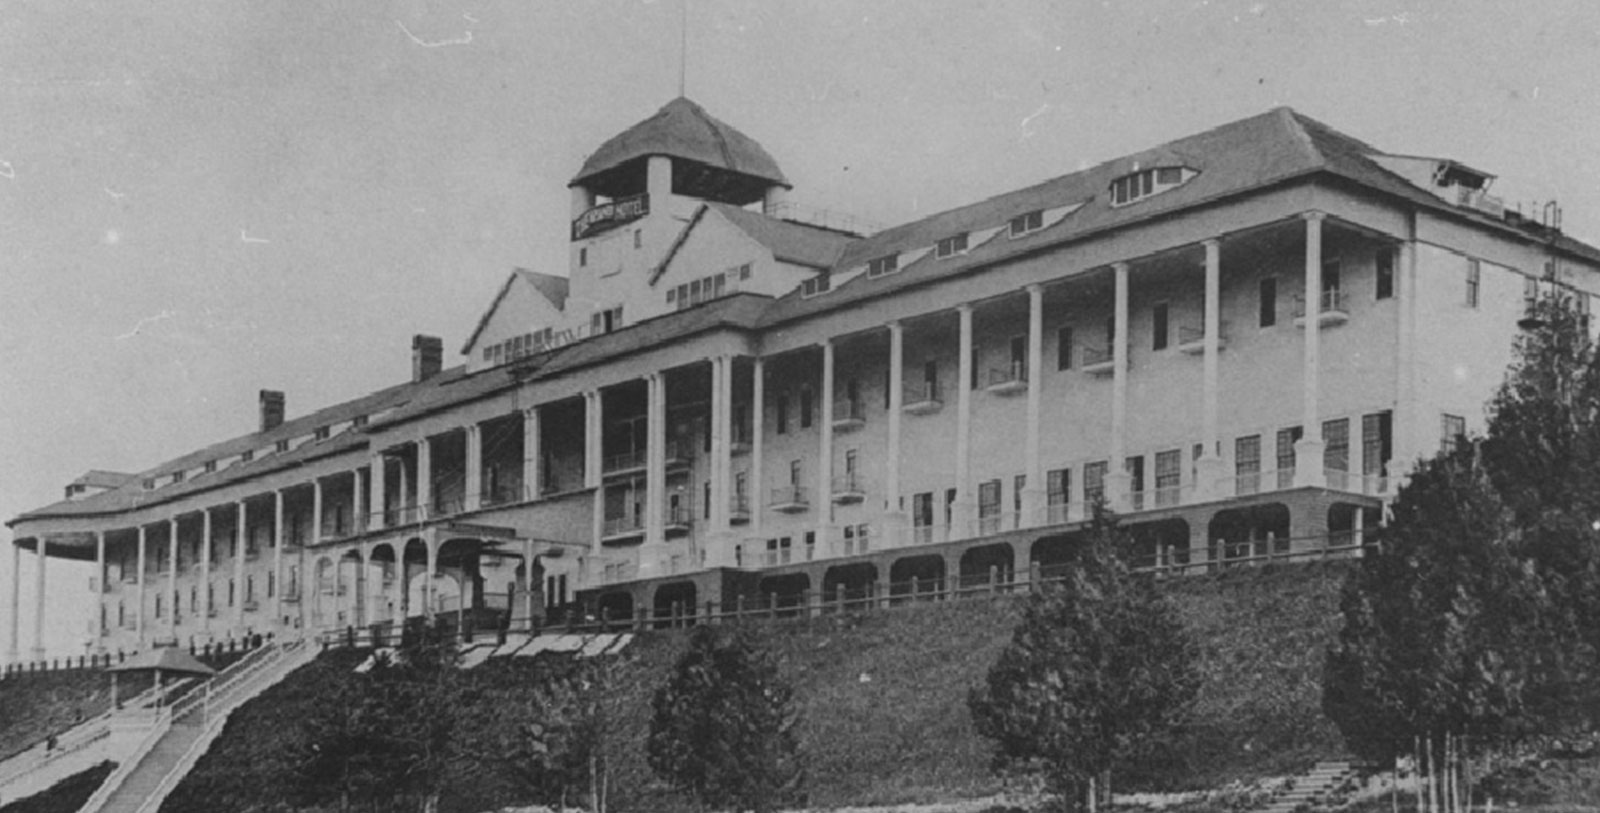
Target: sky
(200, 200)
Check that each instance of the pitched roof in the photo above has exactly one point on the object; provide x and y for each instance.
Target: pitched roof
(683, 129)
(553, 288)
(100, 478)
(789, 241)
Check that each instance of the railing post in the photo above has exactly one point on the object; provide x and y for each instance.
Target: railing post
(1035, 576)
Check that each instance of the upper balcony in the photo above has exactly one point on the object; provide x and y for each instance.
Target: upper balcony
(617, 529)
(680, 454)
(626, 463)
(1192, 340)
(848, 415)
(1332, 314)
(848, 488)
(1008, 380)
(739, 509)
(923, 398)
(1099, 360)
(790, 499)
(679, 518)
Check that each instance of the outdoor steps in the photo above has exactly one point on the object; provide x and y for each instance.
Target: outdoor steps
(1311, 788)
(112, 736)
(144, 780)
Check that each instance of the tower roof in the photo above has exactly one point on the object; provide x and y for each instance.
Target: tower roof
(684, 130)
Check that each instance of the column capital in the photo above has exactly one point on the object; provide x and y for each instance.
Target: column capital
(893, 324)
(964, 308)
(1212, 242)
(1034, 288)
(1313, 215)
(1120, 266)
(825, 343)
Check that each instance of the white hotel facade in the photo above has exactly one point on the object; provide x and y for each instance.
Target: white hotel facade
(1241, 340)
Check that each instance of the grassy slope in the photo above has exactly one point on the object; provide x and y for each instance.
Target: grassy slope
(65, 796)
(883, 698)
(34, 705)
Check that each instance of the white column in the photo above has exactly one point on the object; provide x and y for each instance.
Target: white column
(824, 497)
(42, 550)
(961, 515)
(532, 473)
(1033, 490)
(427, 581)
(1117, 479)
(277, 542)
(722, 464)
(358, 503)
(100, 590)
(138, 615)
(594, 428)
(172, 576)
(655, 477)
(13, 646)
(243, 527)
(424, 480)
(758, 421)
(1209, 469)
(1402, 420)
(205, 569)
(473, 499)
(1308, 450)
(897, 385)
(376, 475)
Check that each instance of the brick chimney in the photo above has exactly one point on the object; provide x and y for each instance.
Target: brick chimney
(427, 357)
(271, 409)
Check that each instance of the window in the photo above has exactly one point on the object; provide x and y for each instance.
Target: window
(1019, 358)
(606, 321)
(1286, 441)
(883, 265)
(1474, 281)
(638, 239)
(805, 407)
(922, 509)
(1385, 275)
(1094, 481)
(1019, 484)
(1331, 287)
(1247, 464)
(1452, 431)
(1269, 301)
(1159, 328)
(1169, 476)
(744, 271)
(1134, 467)
(583, 257)
(1058, 489)
(1377, 443)
(850, 464)
(930, 379)
(1064, 348)
(1530, 295)
(821, 283)
(989, 507)
(322, 433)
(1336, 445)
(795, 473)
(1030, 222)
(211, 466)
(951, 246)
(706, 499)
(783, 413)
(1144, 183)
(177, 476)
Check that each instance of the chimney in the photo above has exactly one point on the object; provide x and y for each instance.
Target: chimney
(427, 357)
(271, 409)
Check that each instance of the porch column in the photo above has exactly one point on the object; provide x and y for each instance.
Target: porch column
(138, 615)
(824, 498)
(42, 550)
(429, 544)
(1403, 420)
(1033, 488)
(358, 503)
(205, 569)
(13, 648)
(655, 476)
(172, 575)
(758, 420)
(960, 513)
(277, 542)
(1209, 469)
(424, 507)
(376, 474)
(100, 590)
(238, 569)
(1308, 449)
(532, 473)
(529, 581)
(1118, 479)
(891, 488)
(472, 500)
(594, 428)
(722, 463)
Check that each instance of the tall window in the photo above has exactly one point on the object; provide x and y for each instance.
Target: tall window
(922, 509)
(1452, 431)
(1019, 357)
(1094, 481)
(930, 379)
(1134, 468)
(783, 413)
(1336, 445)
(1019, 484)
(805, 407)
(794, 473)
(950, 246)
(1247, 464)
(1159, 327)
(1385, 274)
(1474, 282)
(1286, 462)
(1268, 305)
(1377, 443)
(989, 506)
(1058, 490)
(1169, 476)
(1064, 348)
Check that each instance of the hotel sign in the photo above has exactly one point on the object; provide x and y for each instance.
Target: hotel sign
(608, 216)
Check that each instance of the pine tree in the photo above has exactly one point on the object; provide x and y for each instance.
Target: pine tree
(722, 729)
(1096, 671)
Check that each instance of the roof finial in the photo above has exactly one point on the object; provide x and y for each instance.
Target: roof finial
(683, 48)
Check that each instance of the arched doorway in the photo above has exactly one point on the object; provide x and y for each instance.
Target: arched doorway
(849, 586)
(1250, 532)
(674, 602)
(1160, 544)
(785, 594)
(916, 576)
(987, 565)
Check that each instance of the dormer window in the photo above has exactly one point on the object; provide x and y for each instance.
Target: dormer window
(177, 476)
(951, 246)
(149, 483)
(359, 421)
(282, 446)
(321, 433)
(819, 284)
(211, 466)
(247, 455)
(1146, 182)
(1027, 223)
(883, 265)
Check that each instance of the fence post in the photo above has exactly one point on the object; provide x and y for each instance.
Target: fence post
(1035, 576)
(738, 606)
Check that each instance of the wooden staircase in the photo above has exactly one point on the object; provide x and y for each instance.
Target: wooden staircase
(1311, 789)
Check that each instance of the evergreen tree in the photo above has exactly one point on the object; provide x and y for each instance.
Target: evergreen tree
(723, 725)
(1097, 669)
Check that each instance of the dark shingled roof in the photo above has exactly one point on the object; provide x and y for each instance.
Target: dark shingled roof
(683, 129)
(789, 242)
(553, 288)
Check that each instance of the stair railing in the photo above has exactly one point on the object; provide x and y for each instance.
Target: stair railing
(112, 783)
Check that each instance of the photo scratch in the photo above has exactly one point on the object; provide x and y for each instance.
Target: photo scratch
(7, 170)
(113, 193)
(246, 238)
(1043, 108)
(148, 320)
(462, 40)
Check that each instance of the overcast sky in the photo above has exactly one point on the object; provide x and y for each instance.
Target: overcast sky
(199, 200)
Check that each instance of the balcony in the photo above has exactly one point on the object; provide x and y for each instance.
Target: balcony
(251, 605)
(680, 454)
(1061, 513)
(922, 399)
(740, 443)
(1192, 340)
(790, 499)
(618, 465)
(502, 494)
(679, 518)
(739, 509)
(847, 489)
(1098, 360)
(615, 529)
(1008, 380)
(1332, 314)
(848, 415)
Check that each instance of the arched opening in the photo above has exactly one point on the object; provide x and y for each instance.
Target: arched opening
(916, 576)
(324, 595)
(1164, 543)
(786, 594)
(846, 586)
(1256, 531)
(674, 604)
(987, 565)
(348, 587)
(382, 602)
(458, 587)
(410, 590)
(1349, 524)
(615, 608)
(1055, 554)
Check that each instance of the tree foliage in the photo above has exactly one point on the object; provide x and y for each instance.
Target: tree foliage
(722, 728)
(1097, 669)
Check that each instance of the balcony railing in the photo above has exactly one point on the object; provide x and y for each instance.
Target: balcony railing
(848, 415)
(848, 488)
(928, 534)
(1098, 360)
(679, 453)
(739, 509)
(740, 442)
(679, 518)
(1008, 380)
(1061, 513)
(625, 462)
(614, 527)
(1332, 311)
(923, 398)
(502, 493)
(790, 499)
(1192, 340)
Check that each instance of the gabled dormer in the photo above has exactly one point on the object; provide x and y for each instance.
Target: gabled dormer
(526, 317)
